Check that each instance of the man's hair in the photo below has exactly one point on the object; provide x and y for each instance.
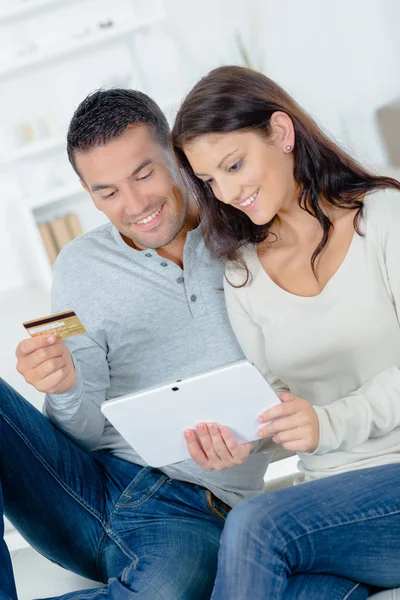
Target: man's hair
(105, 115)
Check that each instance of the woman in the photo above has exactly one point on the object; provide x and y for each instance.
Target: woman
(312, 289)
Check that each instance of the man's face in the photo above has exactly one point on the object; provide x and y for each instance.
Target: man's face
(132, 181)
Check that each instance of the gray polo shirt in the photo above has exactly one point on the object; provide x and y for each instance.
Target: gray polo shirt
(149, 322)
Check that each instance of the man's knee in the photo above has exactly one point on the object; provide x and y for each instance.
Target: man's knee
(8, 394)
(4, 388)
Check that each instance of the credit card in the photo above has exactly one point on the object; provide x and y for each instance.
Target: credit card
(62, 325)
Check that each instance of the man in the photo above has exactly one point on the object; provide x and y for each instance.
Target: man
(150, 298)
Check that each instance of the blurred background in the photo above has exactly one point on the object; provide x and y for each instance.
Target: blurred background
(340, 60)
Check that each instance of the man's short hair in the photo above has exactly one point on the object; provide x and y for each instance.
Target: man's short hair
(105, 115)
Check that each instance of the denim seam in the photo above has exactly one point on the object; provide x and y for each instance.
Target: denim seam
(99, 553)
(133, 484)
(71, 492)
(92, 593)
(143, 499)
(121, 544)
(126, 571)
(347, 596)
(352, 522)
(125, 574)
(109, 530)
(76, 497)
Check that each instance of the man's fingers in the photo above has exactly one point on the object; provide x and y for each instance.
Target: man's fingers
(239, 452)
(49, 384)
(39, 357)
(29, 345)
(195, 450)
(220, 448)
(207, 443)
(49, 367)
(215, 448)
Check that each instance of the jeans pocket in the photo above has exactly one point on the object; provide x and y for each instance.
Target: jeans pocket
(142, 488)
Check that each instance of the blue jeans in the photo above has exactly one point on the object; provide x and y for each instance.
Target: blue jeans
(315, 540)
(140, 533)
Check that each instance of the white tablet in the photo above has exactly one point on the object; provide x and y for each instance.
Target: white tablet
(153, 420)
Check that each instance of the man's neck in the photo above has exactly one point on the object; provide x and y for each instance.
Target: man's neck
(175, 250)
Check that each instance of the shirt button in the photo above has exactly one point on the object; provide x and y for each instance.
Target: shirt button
(164, 264)
(148, 254)
(193, 297)
(180, 280)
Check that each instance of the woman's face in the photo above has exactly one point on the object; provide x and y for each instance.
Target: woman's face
(247, 171)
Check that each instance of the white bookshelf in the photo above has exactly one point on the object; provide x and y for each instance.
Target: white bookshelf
(33, 150)
(54, 196)
(21, 10)
(40, 201)
(75, 46)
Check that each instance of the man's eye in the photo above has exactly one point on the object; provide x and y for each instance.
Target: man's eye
(236, 166)
(145, 176)
(109, 196)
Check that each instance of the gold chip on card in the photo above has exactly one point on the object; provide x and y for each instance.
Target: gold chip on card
(62, 325)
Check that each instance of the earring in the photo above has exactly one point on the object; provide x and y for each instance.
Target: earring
(288, 148)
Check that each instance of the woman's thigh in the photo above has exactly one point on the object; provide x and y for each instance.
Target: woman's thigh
(346, 525)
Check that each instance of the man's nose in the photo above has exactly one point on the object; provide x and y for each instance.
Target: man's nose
(135, 203)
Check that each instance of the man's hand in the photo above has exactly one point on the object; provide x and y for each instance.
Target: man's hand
(46, 363)
(294, 424)
(214, 448)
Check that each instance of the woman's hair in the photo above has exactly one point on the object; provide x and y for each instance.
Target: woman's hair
(234, 98)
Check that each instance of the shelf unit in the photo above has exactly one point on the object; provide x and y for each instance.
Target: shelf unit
(34, 207)
(28, 9)
(101, 37)
(33, 150)
(58, 194)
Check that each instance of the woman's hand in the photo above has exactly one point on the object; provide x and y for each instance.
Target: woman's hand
(214, 448)
(294, 424)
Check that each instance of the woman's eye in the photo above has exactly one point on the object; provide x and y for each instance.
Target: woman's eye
(236, 166)
(145, 176)
(209, 181)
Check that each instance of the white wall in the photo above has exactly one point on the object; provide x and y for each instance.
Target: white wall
(340, 60)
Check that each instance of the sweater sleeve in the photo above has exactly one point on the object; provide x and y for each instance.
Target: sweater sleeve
(250, 337)
(374, 409)
(77, 412)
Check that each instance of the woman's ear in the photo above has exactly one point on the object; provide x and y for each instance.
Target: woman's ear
(283, 131)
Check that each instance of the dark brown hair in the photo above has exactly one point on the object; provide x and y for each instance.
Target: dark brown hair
(105, 115)
(234, 98)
